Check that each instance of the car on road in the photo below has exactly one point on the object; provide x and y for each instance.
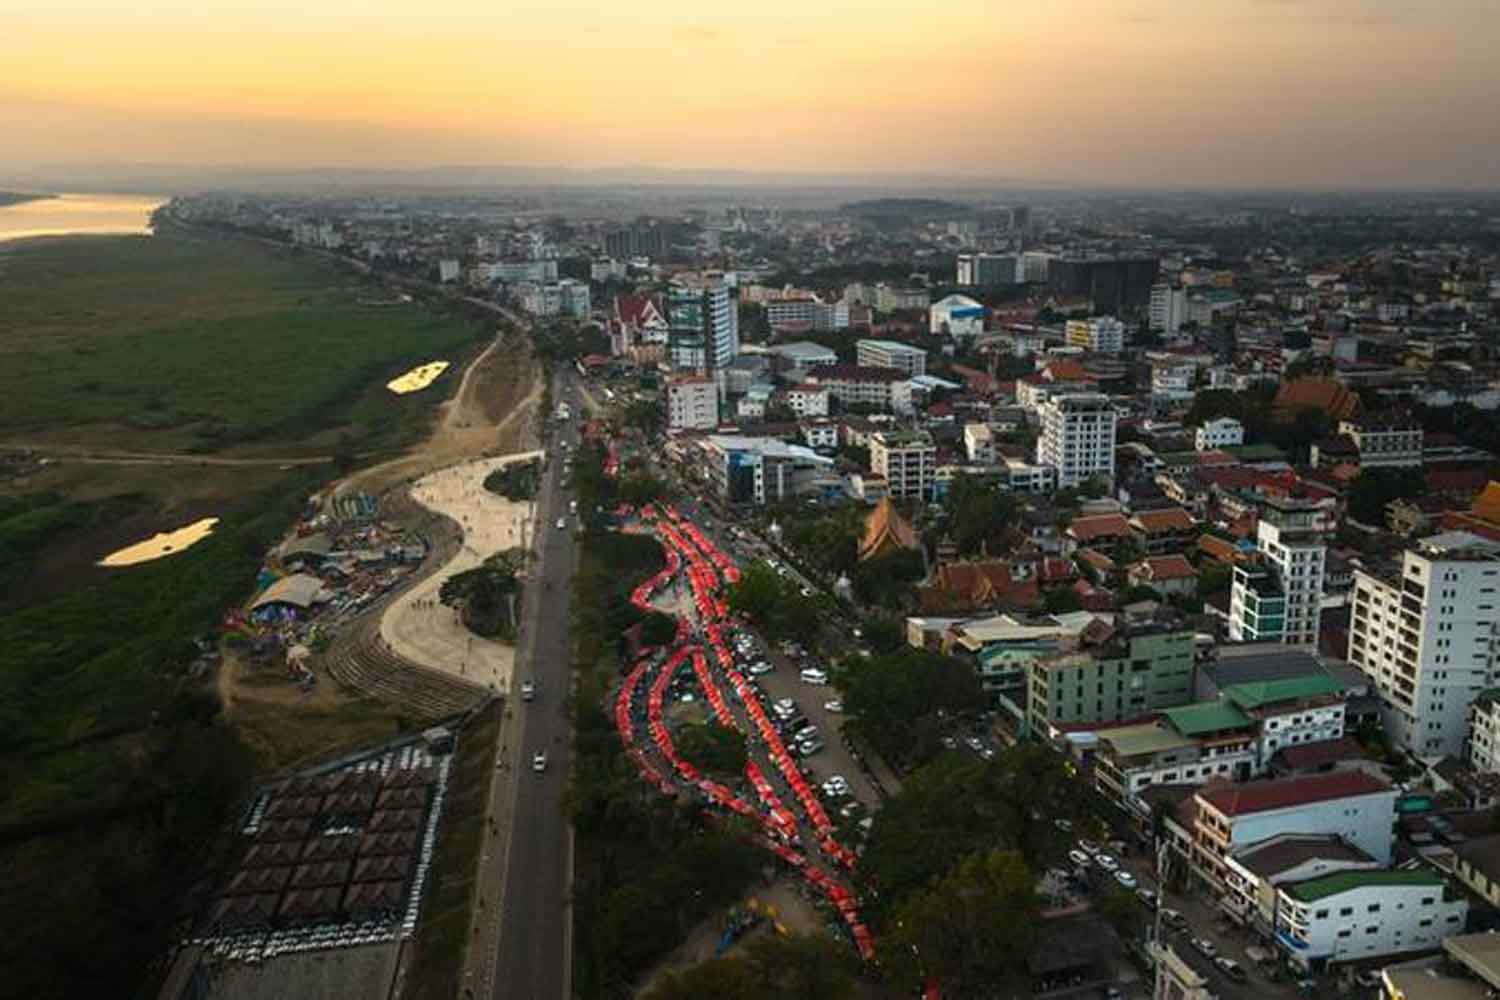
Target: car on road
(1148, 899)
(761, 669)
(562, 522)
(1204, 947)
(1231, 968)
(814, 676)
(835, 706)
(1078, 857)
(1088, 847)
(539, 761)
(806, 592)
(809, 747)
(1369, 979)
(975, 743)
(851, 809)
(528, 690)
(1125, 879)
(1173, 919)
(1107, 862)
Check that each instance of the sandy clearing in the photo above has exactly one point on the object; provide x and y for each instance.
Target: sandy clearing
(419, 628)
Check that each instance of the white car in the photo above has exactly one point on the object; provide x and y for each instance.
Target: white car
(814, 676)
(539, 761)
(763, 667)
(1125, 879)
(835, 706)
(528, 690)
(562, 522)
(807, 592)
(785, 703)
(1106, 862)
(1078, 857)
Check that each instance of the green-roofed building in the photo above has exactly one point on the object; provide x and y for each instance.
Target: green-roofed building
(1356, 916)
(1290, 712)
(1208, 718)
(1255, 453)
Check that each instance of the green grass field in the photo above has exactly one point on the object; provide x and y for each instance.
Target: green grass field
(177, 343)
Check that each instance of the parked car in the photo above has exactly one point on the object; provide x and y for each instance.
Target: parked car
(1204, 947)
(809, 747)
(1148, 898)
(562, 522)
(761, 668)
(528, 690)
(1088, 847)
(1231, 968)
(834, 705)
(1125, 879)
(785, 705)
(1078, 857)
(812, 675)
(1173, 919)
(539, 761)
(975, 743)
(1106, 862)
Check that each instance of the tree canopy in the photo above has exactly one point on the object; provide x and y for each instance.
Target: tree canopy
(769, 965)
(713, 748)
(981, 518)
(1372, 489)
(897, 700)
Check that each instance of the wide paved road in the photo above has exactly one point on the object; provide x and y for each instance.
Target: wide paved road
(535, 950)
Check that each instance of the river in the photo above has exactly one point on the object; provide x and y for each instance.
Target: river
(79, 214)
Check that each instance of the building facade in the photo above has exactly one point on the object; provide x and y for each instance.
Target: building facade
(877, 388)
(1100, 335)
(1168, 309)
(906, 460)
(1292, 546)
(1423, 633)
(1078, 437)
(1352, 916)
(1221, 432)
(1126, 677)
(703, 327)
(692, 403)
(988, 270)
(890, 354)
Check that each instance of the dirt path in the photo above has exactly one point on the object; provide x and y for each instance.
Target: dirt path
(491, 413)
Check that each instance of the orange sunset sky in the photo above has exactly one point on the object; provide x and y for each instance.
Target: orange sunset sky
(1145, 92)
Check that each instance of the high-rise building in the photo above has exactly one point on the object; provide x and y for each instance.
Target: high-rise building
(1168, 309)
(1078, 437)
(907, 460)
(1035, 264)
(643, 238)
(704, 329)
(1113, 284)
(988, 270)
(1279, 595)
(1423, 632)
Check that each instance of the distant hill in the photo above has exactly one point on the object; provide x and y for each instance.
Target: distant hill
(907, 208)
(16, 197)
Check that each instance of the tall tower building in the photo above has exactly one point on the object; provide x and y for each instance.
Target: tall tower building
(1078, 437)
(1279, 597)
(704, 328)
(1423, 631)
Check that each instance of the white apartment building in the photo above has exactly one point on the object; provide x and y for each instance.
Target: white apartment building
(1173, 380)
(907, 460)
(1423, 633)
(807, 400)
(891, 354)
(881, 388)
(1356, 915)
(1293, 546)
(448, 270)
(807, 312)
(1168, 309)
(704, 327)
(821, 435)
(1220, 432)
(562, 298)
(1100, 335)
(1078, 437)
(1483, 750)
(1028, 477)
(1354, 805)
(1254, 873)
(1035, 265)
(1385, 443)
(513, 271)
(692, 403)
(979, 444)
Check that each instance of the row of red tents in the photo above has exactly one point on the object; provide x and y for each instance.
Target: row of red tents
(705, 565)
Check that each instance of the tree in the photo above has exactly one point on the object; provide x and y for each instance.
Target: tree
(981, 517)
(888, 697)
(1120, 907)
(756, 594)
(887, 580)
(658, 629)
(972, 930)
(641, 488)
(770, 965)
(1372, 489)
(485, 597)
(713, 748)
(645, 415)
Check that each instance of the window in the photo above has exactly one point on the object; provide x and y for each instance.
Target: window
(1346, 911)
(1344, 933)
(1373, 908)
(1372, 929)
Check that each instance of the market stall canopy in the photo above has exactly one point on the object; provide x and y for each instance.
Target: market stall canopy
(301, 590)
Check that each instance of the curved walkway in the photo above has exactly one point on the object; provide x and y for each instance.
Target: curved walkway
(415, 626)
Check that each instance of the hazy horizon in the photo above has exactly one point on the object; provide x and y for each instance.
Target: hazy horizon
(1137, 94)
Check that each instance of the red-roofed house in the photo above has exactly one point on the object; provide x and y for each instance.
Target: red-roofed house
(1166, 530)
(1098, 529)
(1171, 574)
(635, 320)
(1356, 806)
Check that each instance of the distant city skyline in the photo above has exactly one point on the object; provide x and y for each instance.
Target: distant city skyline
(1140, 93)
